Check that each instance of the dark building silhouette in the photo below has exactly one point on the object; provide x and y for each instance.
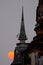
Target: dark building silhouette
(22, 35)
(21, 56)
(30, 53)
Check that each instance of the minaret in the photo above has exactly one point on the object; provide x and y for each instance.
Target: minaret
(22, 35)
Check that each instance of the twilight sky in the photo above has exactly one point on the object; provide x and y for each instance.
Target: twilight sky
(10, 20)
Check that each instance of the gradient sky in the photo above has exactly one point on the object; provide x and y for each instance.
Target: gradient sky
(10, 20)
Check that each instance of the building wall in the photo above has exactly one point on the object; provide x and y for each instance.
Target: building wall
(35, 59)
(32, 56)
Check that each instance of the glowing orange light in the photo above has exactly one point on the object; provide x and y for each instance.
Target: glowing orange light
(11, 54)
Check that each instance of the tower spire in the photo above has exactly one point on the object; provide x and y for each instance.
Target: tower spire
(22, 15)
(22, 35)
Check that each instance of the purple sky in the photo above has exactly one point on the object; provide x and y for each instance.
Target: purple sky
(10, 20)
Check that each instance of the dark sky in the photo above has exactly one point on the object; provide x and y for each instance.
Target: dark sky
(10, 19)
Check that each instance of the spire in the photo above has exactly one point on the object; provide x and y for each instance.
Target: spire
(40, 2)
(22, 35)
(22, 15)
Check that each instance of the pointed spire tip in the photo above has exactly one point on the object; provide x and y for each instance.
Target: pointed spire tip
(22, 35)
(22, 14)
